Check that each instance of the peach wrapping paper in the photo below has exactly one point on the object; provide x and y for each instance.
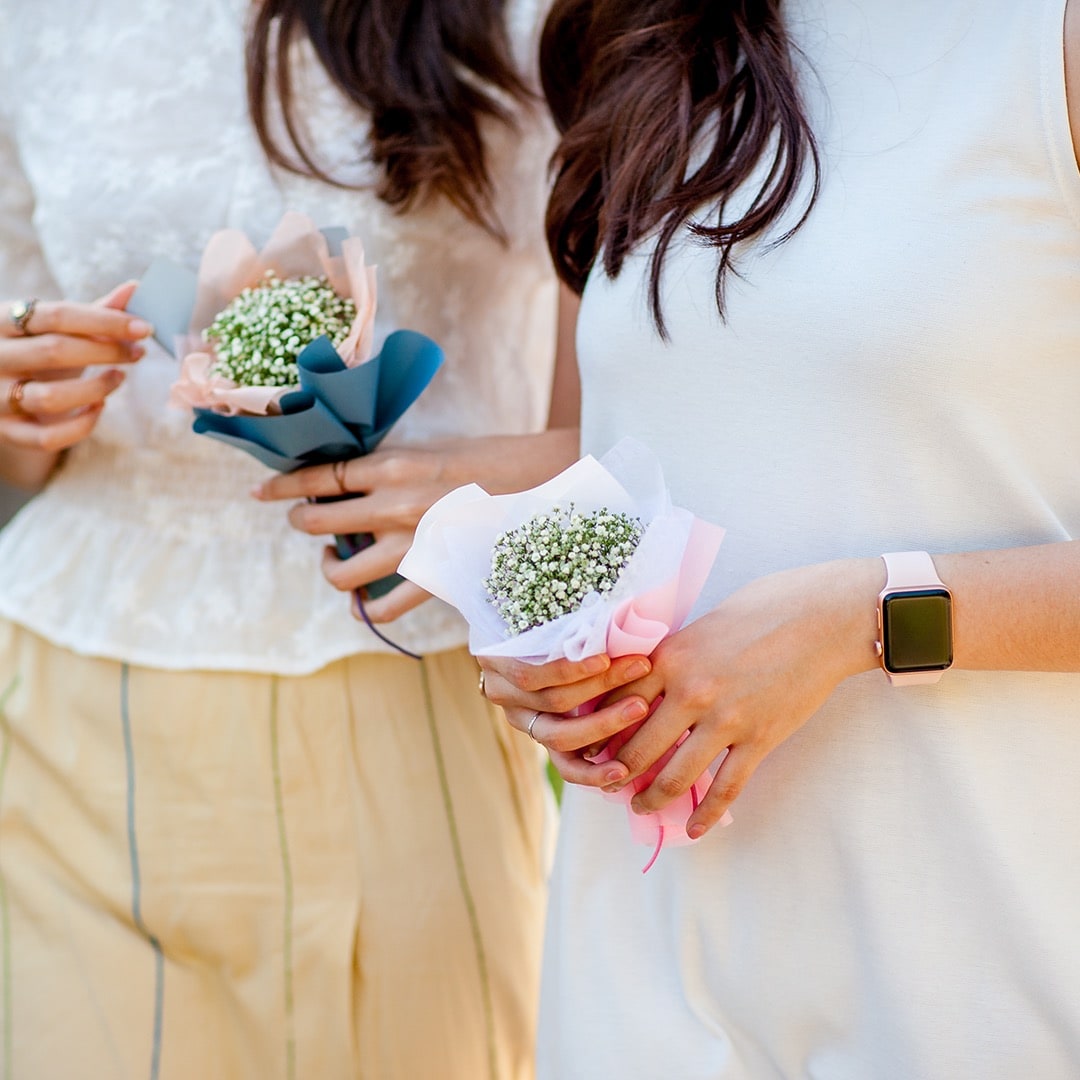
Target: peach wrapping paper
(451, 558)
(230, 264)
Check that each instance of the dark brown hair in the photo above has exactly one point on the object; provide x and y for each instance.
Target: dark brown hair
(427, 71)
(666, 107)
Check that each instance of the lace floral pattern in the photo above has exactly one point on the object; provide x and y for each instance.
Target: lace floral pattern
(125, 137)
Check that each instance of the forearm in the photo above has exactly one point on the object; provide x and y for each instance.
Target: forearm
(1015, 609)
(565, 409)
(505, 463)
(27, 470)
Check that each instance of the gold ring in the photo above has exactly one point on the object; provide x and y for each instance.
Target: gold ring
(15, 397)
(339, 476)
(480, 685)
(20, 313)
(529, 729)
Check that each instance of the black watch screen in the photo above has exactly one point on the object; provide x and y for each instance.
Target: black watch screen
(916, 630)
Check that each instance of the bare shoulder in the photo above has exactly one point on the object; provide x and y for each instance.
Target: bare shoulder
(1072, 69)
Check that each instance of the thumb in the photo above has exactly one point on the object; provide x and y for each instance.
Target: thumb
(119, 297)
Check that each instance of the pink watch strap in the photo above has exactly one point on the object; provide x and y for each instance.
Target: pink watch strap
(908, 570)
(911, 570)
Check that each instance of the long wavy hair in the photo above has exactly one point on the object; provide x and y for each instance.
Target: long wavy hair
(666, 108)
(428, 72)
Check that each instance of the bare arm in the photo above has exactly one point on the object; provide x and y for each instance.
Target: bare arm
(565, 411)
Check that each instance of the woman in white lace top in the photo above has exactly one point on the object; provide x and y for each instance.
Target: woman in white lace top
(239, 836)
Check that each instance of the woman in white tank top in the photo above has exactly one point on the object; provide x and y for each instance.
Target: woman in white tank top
(898, 894)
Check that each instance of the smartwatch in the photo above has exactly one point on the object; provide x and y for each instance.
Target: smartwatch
(914, 619)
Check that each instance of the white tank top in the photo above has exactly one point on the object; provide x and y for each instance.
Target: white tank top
(899, 896)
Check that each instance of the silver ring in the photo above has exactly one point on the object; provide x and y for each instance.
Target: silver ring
(480, 685)
(20, 313)
(529, 729)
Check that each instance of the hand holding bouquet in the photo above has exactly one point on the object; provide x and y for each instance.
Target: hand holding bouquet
(595, 560)
(277, 349)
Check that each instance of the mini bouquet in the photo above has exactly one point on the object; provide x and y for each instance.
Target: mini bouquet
(595, 560)
(276, 349)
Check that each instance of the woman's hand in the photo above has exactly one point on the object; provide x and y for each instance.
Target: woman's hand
(393, 488)
(536, 697)
(745, 677)
(47, 400)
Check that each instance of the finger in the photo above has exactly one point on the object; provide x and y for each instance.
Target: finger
(576, 770)
(316, 482)
(399, 600)
(47, 399)
(80, 320)
(653, 740)
(44, 353)
(569, 734)
(677, 770)
(118, 298)
(344, 516)
(53, 437)
(735, 770)
(375, 562)
(562, 685)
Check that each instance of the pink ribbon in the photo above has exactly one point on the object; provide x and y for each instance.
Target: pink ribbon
(637, 627)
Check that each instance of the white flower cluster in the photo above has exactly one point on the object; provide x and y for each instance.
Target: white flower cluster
(546, 567)
(258, 336)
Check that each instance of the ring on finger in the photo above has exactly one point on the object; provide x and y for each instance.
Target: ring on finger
(20, 313)
(532, 723)
(15, 398)
(339, 477)
(480, 684)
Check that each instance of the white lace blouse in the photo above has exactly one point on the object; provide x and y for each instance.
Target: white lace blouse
(124, 136)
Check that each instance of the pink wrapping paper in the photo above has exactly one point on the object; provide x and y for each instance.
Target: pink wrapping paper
(656, 591)
(638, 625)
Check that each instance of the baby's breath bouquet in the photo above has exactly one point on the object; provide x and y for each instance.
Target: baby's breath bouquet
(256, 312)
(595, 560)
(546, 567)
(258, 336)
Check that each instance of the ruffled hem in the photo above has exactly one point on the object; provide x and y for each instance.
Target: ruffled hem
(237, 589)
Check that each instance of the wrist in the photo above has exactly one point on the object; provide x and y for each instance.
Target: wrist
(858, 583)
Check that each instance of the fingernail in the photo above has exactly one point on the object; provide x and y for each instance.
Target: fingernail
(696, 831)
(613, 776)
(614, 789)
(115, 378)
(256, 492)
(137, 352)
(140, 328)
(595, 664)
(635, 709)
(637, 669)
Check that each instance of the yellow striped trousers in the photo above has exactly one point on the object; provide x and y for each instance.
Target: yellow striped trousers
(226, 875)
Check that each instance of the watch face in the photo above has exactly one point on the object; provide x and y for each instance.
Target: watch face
(916, 630)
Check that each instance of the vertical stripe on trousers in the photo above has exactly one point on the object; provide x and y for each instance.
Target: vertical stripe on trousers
(463, 879)
(136, 882)
(5, 914)
(287, 885)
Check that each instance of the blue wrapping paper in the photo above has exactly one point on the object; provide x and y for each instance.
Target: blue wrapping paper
(337, 414)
